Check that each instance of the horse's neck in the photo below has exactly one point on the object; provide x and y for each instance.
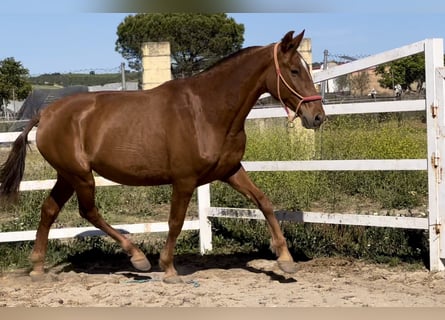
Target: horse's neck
(239, 83)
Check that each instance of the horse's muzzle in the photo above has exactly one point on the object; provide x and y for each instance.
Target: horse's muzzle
(313, 122)
(318, 120)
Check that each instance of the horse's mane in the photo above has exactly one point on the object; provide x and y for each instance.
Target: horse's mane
(230, 57)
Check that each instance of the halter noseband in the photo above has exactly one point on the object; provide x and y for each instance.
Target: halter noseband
(291, 115)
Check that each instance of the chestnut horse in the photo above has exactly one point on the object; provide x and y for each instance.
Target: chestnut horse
(185, 132)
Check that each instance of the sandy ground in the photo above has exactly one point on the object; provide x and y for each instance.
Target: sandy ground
(219, 281)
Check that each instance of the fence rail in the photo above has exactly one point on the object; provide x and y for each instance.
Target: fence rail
(433, 106)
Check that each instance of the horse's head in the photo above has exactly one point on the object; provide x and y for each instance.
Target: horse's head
(291, 83)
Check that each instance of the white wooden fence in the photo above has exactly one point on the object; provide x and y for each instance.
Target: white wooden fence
(433, 105)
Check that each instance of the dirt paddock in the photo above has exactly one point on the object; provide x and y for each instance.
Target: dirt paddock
(222, 281)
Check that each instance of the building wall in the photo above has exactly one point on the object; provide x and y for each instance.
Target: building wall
(374, 83)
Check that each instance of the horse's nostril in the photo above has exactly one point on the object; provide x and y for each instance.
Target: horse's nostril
(318, 120)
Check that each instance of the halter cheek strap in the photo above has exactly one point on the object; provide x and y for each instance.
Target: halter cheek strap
(291, 115)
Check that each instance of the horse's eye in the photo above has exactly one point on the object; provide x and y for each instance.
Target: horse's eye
(294, 72)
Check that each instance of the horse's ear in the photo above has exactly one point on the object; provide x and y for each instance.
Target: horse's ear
(298, 38)
(286, 42)
(289, 43)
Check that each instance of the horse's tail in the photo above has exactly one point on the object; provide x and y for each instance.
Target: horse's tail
(11, 172)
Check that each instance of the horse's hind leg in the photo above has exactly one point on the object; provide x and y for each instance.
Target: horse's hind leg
(85, 194)
(51, 207)
(241, 182)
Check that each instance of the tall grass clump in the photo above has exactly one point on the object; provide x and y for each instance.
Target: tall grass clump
(371, 137)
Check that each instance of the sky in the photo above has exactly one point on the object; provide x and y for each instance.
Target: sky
(49, 36)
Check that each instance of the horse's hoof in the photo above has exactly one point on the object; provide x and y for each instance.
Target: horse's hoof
(141, 263)
(173, 279)
(287, 266)
(37, 275)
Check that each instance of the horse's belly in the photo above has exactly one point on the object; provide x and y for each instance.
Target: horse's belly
(159, 171)
(133, 168)
(133, 176)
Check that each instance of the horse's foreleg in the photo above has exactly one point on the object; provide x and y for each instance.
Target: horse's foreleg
(51, 207)
(181, 196)
(241, 182)
(88, 210)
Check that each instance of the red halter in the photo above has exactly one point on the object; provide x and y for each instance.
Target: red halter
(291, 115)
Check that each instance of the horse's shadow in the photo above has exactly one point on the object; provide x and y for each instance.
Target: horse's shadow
(93, 262)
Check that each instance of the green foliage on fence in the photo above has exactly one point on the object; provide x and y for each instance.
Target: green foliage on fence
(345, 137)
(307, 241)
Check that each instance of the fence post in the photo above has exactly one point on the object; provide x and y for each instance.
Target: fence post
(205, 227)
(434, 101)
(440, 90)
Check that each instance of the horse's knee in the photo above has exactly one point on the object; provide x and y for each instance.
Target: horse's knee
(92, 215)
(266, 206)
(49, 211)
(262, 202)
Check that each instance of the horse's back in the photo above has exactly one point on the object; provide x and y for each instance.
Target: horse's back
(142, 138)
(134, 138)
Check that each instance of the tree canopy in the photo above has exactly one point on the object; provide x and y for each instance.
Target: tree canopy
(14, 82)
(196, 40)
(405, 72)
